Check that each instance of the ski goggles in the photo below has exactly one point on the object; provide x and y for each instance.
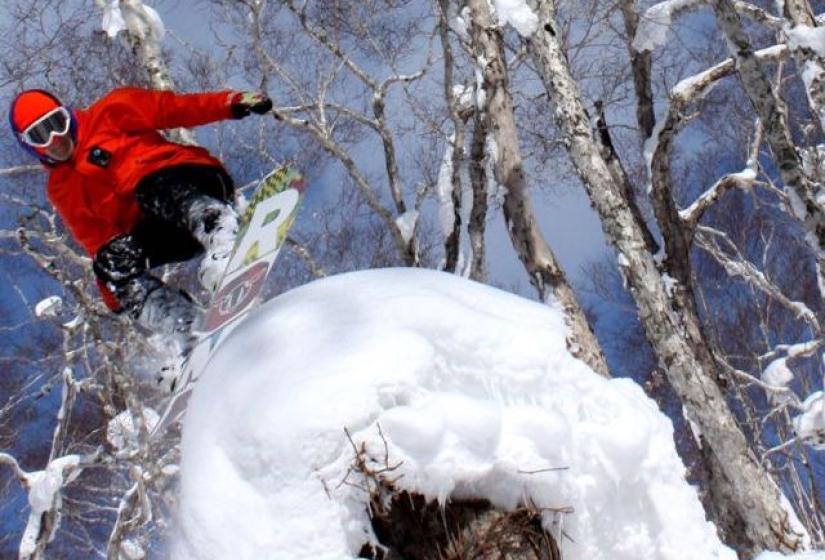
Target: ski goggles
(54, 123)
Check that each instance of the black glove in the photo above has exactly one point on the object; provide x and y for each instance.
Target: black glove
(245, 102)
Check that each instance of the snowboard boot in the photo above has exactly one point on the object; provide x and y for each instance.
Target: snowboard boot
(171, 313)
(216, 229)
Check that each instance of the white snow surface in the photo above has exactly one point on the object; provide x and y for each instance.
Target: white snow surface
(804, 37)
(778, 374)
(475, 394)
(48, 307)
(810, 425)
(655, 23)
(406, 224)
(133, 16)
(518, 14)
(444, 189)
(43, 485)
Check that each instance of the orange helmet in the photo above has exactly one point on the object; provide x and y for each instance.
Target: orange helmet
(36, 116)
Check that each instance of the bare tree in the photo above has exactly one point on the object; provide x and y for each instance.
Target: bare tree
(535, 254)
(666, 308)
(82, 471)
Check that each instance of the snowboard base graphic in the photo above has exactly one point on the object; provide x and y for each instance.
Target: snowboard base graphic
(264, 227)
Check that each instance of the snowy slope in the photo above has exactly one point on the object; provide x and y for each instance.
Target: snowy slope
(474, 391)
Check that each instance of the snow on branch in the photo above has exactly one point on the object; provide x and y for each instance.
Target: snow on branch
(758, 15)
(132, 16)
(518, 14)
(810, 425)
(659, 146)
(657, 152)
(48, 307)
(691, 89)
(778, 392)
(778, 374)
(44, 494)
(693, 213)
(798, 350)
(444, 189)
(743, 180)
(657, 21)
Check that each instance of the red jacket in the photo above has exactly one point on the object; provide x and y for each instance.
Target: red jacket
(96, 199)
(95, 196)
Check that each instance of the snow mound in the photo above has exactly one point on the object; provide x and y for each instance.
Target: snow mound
(475, 395)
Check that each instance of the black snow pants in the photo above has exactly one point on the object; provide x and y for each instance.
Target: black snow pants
(178, 204)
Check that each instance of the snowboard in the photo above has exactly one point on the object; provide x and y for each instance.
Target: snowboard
(263, 228)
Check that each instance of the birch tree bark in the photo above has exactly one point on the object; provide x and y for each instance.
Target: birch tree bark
(742, 482)
(640, 64)
(452, 245)
(478, 213)
(535, 254)
(620, 176)
(144, 37)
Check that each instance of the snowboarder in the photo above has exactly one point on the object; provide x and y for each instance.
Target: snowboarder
(133, 199)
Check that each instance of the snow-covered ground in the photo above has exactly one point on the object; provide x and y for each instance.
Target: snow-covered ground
(475, 394)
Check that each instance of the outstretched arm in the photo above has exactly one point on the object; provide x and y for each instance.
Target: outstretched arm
(143, 109)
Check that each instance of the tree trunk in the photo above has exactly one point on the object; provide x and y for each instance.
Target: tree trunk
(640, 63)
(750, 491)
(535, 254)
(478, 213)
(452, 245)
